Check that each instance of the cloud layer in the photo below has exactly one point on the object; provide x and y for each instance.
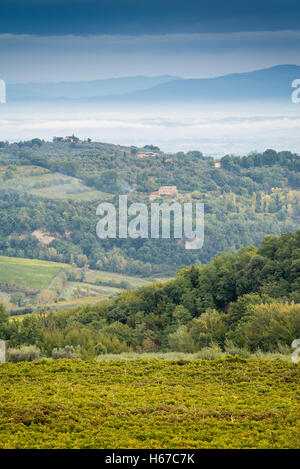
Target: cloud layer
(32, 58)
(214, 133)
(137, 17)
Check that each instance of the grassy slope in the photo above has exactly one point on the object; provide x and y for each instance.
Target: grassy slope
(38, 275)
(43, 183)
(134, 282)
(149, 404)
(30, 272)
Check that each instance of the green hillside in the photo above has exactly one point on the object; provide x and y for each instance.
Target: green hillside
(42, 183)
(55, 187)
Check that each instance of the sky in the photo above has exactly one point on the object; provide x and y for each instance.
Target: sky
(74, 40)
(48, 17)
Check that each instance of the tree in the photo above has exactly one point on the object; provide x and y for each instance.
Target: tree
(30, 331)
(269, 325)
(181, 340)
(18, 299)
(241, 309)
(181, 315)
(3, 320)
(210, 328)
(82, 260)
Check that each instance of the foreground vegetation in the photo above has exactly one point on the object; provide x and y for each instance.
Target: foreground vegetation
(230, 403)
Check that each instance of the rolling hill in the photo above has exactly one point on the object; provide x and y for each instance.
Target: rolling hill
(82, 89)
(270, 84)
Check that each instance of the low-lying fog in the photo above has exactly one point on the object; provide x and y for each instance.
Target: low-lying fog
(215, 130)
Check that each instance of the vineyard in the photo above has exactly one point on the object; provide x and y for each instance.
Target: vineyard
(228, 403)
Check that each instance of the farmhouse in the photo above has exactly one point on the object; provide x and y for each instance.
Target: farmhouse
(71, 139)
(168, 191)
(146, 154)
(169, 160)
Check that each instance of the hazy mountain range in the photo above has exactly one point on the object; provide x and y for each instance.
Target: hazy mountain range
(271, 84)
(82, 89)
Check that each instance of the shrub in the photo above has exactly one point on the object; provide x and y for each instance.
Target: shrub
(209, 328)
(124, 284)
(213, 352)
(23, 354)
(100, 349)
(237, 351)
(269, 325)
(65, 352)
(181, 340)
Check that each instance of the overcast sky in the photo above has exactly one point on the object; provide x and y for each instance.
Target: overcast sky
(146, 16)
(81, 40)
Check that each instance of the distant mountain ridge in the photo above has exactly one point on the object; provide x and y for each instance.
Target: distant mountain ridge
(270, 84)
(82, 89)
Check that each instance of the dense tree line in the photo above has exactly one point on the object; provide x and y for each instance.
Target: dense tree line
(249, 299)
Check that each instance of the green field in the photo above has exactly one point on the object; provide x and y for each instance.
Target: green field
(42, 183)
(229, 403)
(134, 282)
(38, 274)
(29, 272)
(41, 275)
(71, 190)
(70, 290)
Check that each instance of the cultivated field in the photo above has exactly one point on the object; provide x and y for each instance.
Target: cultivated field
(228, 403)
(44, 276)
(42, 183)
(29, 272)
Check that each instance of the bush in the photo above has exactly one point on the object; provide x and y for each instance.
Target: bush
(124, 284)
(100, 349)
(112, 283)
(209, 328)
(65, 352)
(269, 325)
(23, 354)
(237, 351)
(181, 340)
(21, 311)
(213, 352)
